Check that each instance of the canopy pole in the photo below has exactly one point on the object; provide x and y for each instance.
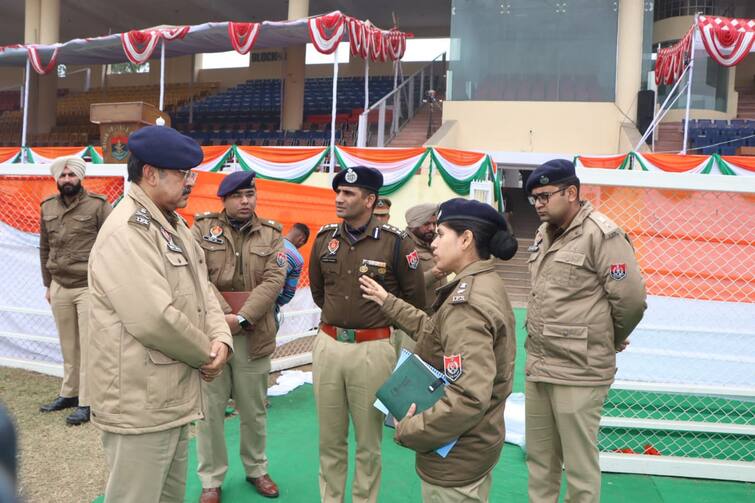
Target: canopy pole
(366, 83)
(333, 116)
(655, 96)
(658, 116)
(26, 110)
(162, 73)
(191, 89)
(689, 87)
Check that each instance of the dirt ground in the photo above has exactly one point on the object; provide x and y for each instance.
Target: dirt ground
(58, 462)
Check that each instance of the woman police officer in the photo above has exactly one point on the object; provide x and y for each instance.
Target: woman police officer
(471, 336)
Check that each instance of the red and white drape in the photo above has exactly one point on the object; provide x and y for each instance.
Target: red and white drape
(727, 40)
(365, 40)
(36, 62)
(670, 61)
(140, 44)
(243, 36)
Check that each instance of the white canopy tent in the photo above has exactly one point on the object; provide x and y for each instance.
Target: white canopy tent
(325, 32)
(726, 40)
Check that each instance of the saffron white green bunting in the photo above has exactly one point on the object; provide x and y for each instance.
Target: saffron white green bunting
(396, 164)
(289, 164)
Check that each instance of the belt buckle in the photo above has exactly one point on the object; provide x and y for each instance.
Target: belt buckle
(346, 335)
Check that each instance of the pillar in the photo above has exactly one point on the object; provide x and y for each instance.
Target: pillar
(629, 56)
(42, 26)
(294, 73)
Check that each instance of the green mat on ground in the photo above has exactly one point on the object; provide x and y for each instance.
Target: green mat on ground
(292, 450)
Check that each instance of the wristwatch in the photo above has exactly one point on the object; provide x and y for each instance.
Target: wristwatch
(243, 322)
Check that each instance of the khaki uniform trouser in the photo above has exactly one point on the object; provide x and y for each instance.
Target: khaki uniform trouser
(476, 492)
(346, 377)
(246, 382)
(146, 468)
(561, 427)
(70, 308)
(400, 339)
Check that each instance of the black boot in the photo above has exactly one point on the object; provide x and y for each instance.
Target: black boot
(79, 416)
(60, 403)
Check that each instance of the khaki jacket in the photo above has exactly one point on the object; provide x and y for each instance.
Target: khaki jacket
(427, 262)
(382, 252)
(152, 318)
(473, 318)
(66, 236)
(587, 296)
(256, 252)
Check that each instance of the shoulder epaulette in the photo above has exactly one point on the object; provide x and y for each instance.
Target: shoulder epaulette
(97, 196)
(272, 223)
(51, 196)
(205, 214)
(460, 295)
(327, 227)
(401, 233)
(140, 218)
(605, 224)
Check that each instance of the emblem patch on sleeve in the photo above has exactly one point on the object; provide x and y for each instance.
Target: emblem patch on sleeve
(413, 259)
(280, 259)
(333, 246)
(452, 367)
(618, 271)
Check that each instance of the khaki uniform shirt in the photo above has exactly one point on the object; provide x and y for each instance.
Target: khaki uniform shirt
(152, 319)
(473, 321)
(66, 236)
(427, 263)
(381, 251)
(251, 259)
(587, 296)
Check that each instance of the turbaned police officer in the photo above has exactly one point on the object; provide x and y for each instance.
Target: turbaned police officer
(352, 354)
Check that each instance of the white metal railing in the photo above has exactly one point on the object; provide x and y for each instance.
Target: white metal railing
(405, 103)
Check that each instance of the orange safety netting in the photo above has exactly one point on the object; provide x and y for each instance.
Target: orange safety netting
(287, 203)
(20, 197)
(690, 244)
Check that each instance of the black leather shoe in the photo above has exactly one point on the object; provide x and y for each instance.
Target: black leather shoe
(79, 416)
(60, 403)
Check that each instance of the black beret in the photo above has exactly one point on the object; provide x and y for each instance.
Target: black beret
(359, 176)
(553, 172)
(469, 209)
(165, 148)
(236, 181)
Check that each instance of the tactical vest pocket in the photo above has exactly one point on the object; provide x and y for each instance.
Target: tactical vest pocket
(564, 345)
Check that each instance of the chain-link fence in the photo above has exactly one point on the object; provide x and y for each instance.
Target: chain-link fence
(28, 336)
(685, 388)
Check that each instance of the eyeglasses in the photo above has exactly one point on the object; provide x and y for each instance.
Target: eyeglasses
(189, 175)
(544, 197)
